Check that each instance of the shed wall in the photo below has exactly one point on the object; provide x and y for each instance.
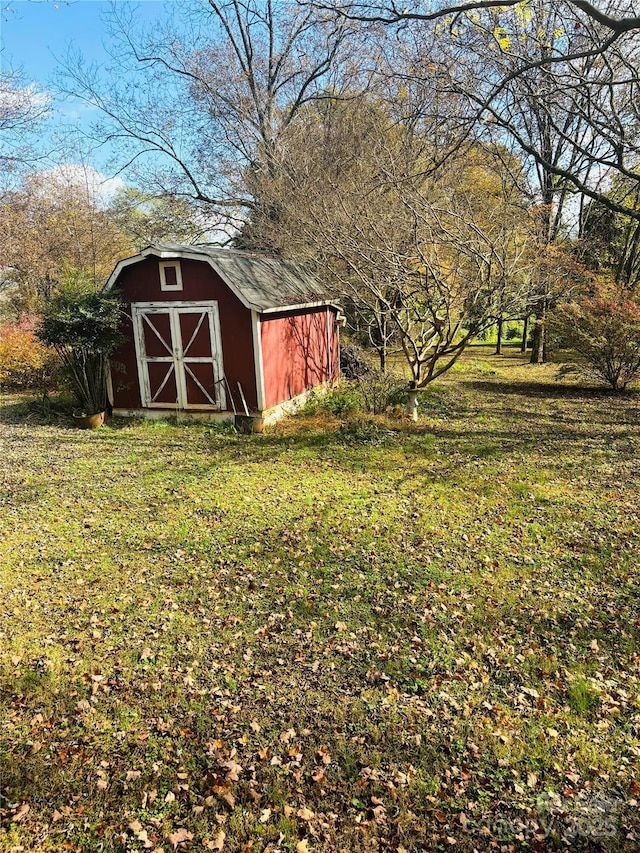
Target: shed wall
(299, 351)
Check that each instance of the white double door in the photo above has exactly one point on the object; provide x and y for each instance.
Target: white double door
(179, 354)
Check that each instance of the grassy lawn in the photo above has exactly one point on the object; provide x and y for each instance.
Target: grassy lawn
(326, 638)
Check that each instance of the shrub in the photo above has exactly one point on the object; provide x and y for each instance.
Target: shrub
(342, 400)
(604, 328)
(363, 431)
(25, 362)
(380, 391)
(513, 332)
(81, 324)
(374, 392)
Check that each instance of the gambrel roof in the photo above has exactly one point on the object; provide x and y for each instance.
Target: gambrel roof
(262, 283)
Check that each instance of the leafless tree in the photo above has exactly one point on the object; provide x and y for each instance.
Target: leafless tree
(22, 110)
(615, 20)
(428, 260)
(581, 59)
(574, 122)
(208, 94)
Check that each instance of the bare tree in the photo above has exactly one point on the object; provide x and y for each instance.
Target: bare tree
(428, 260)
(616, 21)
(22, 109)
(208, 95)
(586, 55)
(573, 123)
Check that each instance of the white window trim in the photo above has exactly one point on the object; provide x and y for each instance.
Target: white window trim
(163, 279)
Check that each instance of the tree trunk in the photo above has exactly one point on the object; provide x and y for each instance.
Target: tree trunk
(499, 325)
(412, 404)
(525, 333)
(538, 347)
(379, 337)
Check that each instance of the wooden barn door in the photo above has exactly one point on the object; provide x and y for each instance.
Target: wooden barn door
(179, 354)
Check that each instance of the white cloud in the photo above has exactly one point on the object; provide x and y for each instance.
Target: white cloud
(20, 104)
(81, 177)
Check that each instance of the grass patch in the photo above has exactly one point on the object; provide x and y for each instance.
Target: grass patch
(361, 634)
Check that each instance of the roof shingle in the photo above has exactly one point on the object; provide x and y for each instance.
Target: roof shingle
(262, 283)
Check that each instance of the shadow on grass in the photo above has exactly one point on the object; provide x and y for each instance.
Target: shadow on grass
(505, 418)
(548, 390)
(22, 410)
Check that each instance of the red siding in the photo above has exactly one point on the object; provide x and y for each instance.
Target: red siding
(140, 282)
(295, 353)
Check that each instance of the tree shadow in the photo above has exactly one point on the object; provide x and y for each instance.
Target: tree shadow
(555, 391)
(494, 421)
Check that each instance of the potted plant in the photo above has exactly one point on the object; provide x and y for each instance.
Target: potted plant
(82, 325)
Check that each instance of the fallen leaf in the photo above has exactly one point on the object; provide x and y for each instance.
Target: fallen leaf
(234, 770)
(179, 836)
(20, 812)
(285, 737)
(324, 754)
(305, 814)
(217, 843)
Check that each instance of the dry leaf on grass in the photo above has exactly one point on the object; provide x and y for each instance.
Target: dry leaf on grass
(179, 836)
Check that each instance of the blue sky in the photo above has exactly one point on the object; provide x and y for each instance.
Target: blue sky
(34, 34)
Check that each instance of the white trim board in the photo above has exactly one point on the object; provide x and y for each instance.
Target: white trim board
(257, 359)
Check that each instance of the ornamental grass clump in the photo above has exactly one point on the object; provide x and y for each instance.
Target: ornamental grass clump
(82, 325)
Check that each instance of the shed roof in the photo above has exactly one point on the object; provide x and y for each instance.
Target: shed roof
(260, 282)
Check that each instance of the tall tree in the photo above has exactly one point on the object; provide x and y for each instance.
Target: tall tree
(584, 49)
(22, 110)
(618, 19)
(51, 226)
(426, 260)
(209, 94)
(572, 122)
(611, 241)
(144, 218)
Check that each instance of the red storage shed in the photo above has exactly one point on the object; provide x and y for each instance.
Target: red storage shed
(216, 332)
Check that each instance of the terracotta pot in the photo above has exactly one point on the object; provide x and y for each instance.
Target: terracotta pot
(89, 421)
